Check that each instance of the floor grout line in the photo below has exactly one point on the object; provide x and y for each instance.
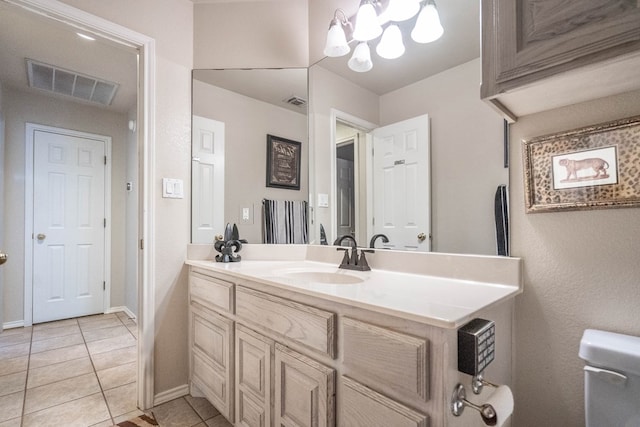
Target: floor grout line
(126, 322)
(26, 381)
(95, 372)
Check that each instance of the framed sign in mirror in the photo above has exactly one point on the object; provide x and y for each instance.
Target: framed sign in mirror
(283, 163)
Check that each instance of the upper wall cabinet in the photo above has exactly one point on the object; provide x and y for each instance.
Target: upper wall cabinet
(542, 54)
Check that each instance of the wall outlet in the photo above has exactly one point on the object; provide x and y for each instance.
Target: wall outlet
(246, 214)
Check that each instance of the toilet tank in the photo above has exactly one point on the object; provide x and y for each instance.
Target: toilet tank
(611, 378)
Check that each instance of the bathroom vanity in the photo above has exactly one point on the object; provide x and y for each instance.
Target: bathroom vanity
(286, 338)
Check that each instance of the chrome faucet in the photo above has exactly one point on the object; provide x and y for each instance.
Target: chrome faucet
(372, 242)
(353, 262)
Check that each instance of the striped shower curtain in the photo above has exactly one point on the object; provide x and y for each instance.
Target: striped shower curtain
(284, 221)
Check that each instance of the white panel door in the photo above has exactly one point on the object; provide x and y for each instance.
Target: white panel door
(68, 225)
(207, 181)
(401, 184)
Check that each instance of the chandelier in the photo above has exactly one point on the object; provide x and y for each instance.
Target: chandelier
(370, 22)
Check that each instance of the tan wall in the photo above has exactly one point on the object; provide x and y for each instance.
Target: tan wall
(581, 271)
(251, 34)
(326, 91)
(247, 123)
(170, 23)
(466, 155)
(22, 107)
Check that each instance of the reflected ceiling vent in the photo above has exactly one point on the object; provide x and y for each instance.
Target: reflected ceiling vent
(58, 80)
(296, 100)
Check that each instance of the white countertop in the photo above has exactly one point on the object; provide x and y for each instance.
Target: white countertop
(438, 301)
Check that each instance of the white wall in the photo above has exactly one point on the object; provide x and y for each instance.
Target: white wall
(170, 23)
(581, 271)
(131, 222)
(466, 155)
(247, 123)
(21, 107)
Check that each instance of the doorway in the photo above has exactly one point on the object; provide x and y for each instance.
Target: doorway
(391, 188)
(345, 187)
(142, 120)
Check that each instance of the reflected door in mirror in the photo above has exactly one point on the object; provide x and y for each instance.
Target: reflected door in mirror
(401, 188)
(208, 179)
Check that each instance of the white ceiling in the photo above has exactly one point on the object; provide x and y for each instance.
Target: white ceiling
(28, 35)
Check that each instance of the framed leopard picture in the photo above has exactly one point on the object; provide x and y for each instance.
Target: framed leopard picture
(588, 168)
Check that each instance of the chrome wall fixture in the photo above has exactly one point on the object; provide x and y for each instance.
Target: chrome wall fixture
(373, 20)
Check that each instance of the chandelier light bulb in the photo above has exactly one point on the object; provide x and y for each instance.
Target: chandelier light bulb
(428, 27)
(401, 10)
(391, 46)
(336, 41)
(367, 25)
(360, 62)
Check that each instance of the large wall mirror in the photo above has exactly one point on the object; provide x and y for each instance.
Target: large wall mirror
(234, 112)
(437, 83)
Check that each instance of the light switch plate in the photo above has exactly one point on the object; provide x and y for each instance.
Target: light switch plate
(172, 188)
(323, 200)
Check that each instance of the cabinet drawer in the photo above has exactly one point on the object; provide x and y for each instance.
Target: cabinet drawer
(384, 357)
(211, 292)
(304, 324)
(362, 406)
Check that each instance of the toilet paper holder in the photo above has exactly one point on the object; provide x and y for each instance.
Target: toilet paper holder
(459, 402)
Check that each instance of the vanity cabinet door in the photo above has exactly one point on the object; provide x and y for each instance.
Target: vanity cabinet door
(253, 378)
(526, 40)
(361, 406)
(304, 391)
(211, 337)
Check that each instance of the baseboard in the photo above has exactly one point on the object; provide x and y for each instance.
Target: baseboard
(14, 324)
(121, 308)
(168, 395)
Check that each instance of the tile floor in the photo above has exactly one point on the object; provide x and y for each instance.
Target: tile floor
(81, 373)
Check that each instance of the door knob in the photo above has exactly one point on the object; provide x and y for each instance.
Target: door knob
(422, 236)
(41, 236)
(3, 258)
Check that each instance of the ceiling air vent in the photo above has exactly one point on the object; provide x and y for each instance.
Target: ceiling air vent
(296, 100)
(65, 82)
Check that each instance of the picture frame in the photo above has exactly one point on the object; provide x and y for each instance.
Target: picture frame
(283, 163)
(587, 168)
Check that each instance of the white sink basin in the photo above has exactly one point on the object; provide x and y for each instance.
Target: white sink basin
(330, 276)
